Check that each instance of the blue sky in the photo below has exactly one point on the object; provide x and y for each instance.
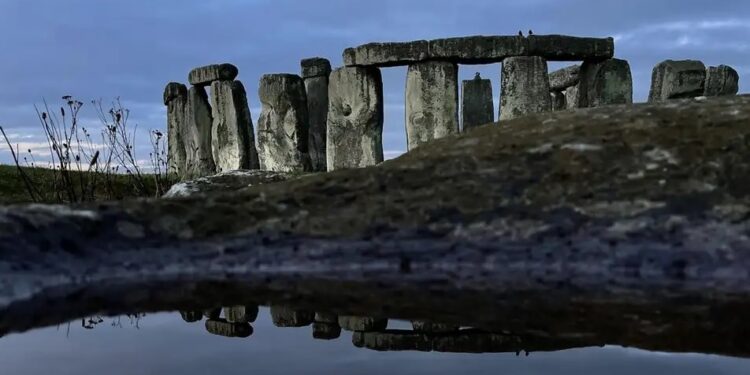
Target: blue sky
(131, 49)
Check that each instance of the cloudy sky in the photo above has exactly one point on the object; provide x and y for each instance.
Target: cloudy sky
(130, 49)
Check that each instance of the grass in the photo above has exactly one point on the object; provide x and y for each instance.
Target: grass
(105, 186)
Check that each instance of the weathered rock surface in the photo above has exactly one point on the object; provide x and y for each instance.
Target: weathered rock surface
(605, 82)
(241, 314)
(477, 107)
(221, 327)
(283, 124)
(561, 79)
(571, 97)
(232, 133)
(175, 98)
(621, 206)
(315, 67)
(284, 316)
(721, 80)
(525, 87)
(191, 316)
(558, 101)
(316, 72)
(387, 54)
(362, 323)
(480, 50)
(199, 160)
(676, 80)
(431, 102)
(205, 75)
(225, 182)
(355, 118)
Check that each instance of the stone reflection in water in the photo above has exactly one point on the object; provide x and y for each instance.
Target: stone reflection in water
(221, 327)
(241, 314)
(284, 316)
(432, 327)
(326, 326)
(191, 316)
(362, 323)
(212, 313)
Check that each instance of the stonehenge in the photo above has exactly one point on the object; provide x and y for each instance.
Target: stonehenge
(208, 135)
(476, 103)
(315, 72)
(283, 122)
(355, 118)
(525, 87)
(431, 102)
(327, 119)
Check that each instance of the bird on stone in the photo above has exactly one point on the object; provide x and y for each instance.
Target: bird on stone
(477, 76)
(520, 33)
(531, 32)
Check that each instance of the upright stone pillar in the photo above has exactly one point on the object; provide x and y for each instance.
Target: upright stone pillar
(558, 100)
(677, 79)
(721, 80)
(315, 72)
(431, 101)
(282, 127)
(525, 87)
(175, 98)
(604, 83)
(232, 136)
(571, 97)
(284, 316)
(355, 118)
(199, 159)
(477, 108)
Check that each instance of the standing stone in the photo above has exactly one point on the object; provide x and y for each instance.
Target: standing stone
(525, 87)
(198, 122)
(315, 72)
(677, 79)
(282, 127)
(431, 102)
(604, 83)
(175, 98)
(721, 80)
(571, 97)
(326, 331)
(283, 316)
(232, 134)
(477, 108)
(355, 118)
(558, 100)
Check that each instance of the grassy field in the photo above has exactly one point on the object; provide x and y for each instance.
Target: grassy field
(112, 187)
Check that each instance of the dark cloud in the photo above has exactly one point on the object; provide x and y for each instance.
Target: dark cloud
(131, 49)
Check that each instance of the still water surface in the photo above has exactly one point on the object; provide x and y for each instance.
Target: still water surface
(164, 343)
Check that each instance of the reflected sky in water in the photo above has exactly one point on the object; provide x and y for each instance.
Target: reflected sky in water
(165, 344)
